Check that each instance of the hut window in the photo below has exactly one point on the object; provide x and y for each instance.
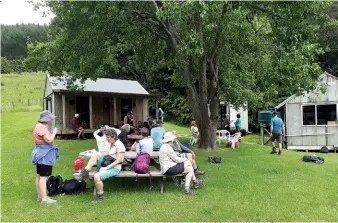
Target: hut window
(326, 114)
(309, 115)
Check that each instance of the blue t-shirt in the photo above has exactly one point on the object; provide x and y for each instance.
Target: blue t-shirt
(157, 134)
(277, 124)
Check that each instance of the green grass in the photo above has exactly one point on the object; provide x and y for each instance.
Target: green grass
(22, 92)
(249, 185)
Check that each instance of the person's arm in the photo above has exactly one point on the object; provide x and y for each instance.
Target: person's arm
(271, 126)
(119, 160)
(125, 120)
(49, 138)
(184, 148)
(133, 147)
(96, 134)
(172, 155)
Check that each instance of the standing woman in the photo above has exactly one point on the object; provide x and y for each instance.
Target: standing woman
(44, 155)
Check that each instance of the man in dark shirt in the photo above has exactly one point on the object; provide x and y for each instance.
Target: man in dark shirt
(77, 127)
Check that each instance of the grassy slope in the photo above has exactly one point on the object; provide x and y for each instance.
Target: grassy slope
(17, 89)
(249, 185)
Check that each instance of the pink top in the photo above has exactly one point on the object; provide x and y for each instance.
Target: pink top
(39, 131)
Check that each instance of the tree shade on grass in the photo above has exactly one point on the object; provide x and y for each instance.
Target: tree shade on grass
(249, 185)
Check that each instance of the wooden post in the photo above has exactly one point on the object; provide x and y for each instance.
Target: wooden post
(115, 120)
(156, 109)
(63, 111)
(91, 112)
(262, 134)
(52, 110)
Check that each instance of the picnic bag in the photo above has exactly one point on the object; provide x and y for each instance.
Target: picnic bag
(54, 185)
(141, 166)
(73, 186)
(324, 149)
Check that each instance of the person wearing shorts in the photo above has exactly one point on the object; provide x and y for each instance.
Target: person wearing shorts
(116, 151)
(277, 130)
(44, 155)
(172, 164)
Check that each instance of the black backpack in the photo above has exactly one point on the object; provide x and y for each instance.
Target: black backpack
(73, 186)
(324, 149)
(314, 159)
(54, 185)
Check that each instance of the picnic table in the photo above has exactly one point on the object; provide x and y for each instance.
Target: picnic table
(128, 155)
(135, 137)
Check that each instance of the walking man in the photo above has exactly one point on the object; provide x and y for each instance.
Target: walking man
(277, 131)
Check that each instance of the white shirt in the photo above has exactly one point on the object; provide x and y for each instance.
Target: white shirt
(117, 147)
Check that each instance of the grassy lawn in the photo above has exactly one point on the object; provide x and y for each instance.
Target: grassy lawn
(249, 185)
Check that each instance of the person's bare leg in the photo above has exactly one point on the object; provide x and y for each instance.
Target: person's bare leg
(99, 188)
(37, 180)
(93, 160)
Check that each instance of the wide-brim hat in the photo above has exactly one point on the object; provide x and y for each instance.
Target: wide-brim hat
(46, 116)
(168, 137)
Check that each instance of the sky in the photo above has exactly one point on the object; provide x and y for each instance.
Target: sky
(20, 11)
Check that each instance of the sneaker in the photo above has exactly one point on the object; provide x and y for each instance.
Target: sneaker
(78, 138)
(84, 138)
(84, 173)
(199, 172)
(48, 201)
(99, 198)
(280, 152)
(198, 183)
(188, 192)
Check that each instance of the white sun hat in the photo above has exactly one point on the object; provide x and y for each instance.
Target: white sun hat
(168, 136)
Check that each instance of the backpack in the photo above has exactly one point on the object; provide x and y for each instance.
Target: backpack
(142, 162)
(54, 185)
(141, 166)
(314, 159)
(78, 164)
(73, 186)
(324, 149)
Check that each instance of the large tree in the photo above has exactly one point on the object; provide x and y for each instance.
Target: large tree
(232, 51)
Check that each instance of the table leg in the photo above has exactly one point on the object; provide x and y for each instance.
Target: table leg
(162, 181)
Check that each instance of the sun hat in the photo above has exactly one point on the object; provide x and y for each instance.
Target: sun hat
(168, 136)
(76, 115)
(46, 116)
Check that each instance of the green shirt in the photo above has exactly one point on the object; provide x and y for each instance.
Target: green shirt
(238, 122)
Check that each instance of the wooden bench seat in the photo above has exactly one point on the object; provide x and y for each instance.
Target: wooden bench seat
(131, 174)
(71, 131)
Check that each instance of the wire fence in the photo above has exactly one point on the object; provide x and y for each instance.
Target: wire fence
(22, 105)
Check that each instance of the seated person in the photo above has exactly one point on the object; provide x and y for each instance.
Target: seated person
(171, 164)
(146, 146)
(103, 145)
(185, 152)
(157, 134)
(116, 151)
(123, 136)
(129, 119)
(76, 126)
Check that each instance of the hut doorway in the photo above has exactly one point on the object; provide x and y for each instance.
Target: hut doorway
(82, 108)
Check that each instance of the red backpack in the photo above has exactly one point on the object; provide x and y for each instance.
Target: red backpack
(78, 164)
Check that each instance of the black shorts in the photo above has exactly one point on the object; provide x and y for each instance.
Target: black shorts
(276, 136)
(177, 169)
(44, 170)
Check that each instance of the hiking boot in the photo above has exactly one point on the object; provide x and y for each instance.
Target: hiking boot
(99, 198)
(84, 173)
(280, 152)
(199, 172)
(273, 150)
(48, 201)
(188, 192)
(198, 183)
(78, 138)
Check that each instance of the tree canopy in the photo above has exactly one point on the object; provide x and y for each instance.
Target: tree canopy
(238, 52)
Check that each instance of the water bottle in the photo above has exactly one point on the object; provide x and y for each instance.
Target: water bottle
(137, 147)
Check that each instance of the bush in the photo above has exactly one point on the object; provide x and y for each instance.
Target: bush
(6, 66)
